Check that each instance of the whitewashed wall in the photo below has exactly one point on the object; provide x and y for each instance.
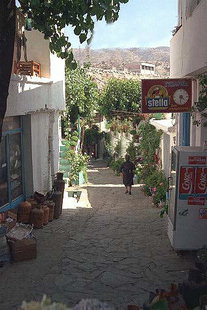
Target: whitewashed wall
(188, 47)
(167, 142)
(45, 149)
(27, 94)
(188, 50)
(43, 98)
(38, 51)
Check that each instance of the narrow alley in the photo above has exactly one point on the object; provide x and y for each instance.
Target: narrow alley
(116, 251)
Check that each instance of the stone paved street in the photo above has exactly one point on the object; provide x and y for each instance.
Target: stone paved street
(116, 251)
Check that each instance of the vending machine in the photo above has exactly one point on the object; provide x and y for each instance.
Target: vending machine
(187, 213)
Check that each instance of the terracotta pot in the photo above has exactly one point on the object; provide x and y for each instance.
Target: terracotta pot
(23, 213)
(37, 217)
(33, 202)
(57, 198)
(51, 206)
(46, 214)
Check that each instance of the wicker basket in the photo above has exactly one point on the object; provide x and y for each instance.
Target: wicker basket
(23, 249)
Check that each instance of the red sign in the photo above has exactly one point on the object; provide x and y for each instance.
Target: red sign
(166, 95)
(187, 180)
(201, 180)
(196, 201)
(197, 160)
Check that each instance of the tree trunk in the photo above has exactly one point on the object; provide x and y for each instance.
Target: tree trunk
(7, 37)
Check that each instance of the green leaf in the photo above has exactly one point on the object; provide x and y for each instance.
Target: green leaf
(77, 30)
(35, 3)
(73, 65)
(70, 57)
(51, 16)
(90, 39)
(108, 16)
(82, 37)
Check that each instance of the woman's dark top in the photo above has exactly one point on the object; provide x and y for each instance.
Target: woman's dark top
(127, 168)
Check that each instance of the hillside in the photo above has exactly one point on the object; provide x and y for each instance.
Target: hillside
(126, 58)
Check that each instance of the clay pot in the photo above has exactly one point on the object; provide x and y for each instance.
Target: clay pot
(37, 217)
(39, 197)
(23, 213)
(46, 214)
(57, 198)
(33, 202)
(51, 206)
(59, 185)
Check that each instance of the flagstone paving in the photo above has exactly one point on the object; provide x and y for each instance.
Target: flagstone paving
(115, 250)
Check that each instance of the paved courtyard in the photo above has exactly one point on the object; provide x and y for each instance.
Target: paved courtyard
(115, 250)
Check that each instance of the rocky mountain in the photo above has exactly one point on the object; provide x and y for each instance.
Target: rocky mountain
(126, 59)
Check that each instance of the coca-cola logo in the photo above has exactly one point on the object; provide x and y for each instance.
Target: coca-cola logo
(187, 181)
(203, 182)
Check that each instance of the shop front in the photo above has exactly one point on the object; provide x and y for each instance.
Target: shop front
(11, 164)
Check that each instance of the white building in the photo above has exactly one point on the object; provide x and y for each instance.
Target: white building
(29, 150)
(168, 140)
(147, 69)
(188, 58)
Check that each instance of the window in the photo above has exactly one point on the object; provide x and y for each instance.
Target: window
(11, 185)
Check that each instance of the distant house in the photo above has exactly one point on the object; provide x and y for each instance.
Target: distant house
(188, 58)
(30, 147)
(147, 69)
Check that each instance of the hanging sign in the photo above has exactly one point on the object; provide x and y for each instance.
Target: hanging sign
(166, 95)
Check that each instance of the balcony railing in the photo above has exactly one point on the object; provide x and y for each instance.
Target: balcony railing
(31, 68)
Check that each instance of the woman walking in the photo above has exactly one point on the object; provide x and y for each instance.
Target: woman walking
(127, 170)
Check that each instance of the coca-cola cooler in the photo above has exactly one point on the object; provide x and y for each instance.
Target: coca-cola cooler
(187, 213)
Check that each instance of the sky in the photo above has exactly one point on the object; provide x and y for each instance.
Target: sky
(141, 23)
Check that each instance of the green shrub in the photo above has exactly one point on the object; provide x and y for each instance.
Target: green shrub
(116, 165)
(159, 195)
(149, 142)
(132, 150)
(85, 175)
(147, 190)
(164, 210)
(157, 185)
(133, 132)
(138, 173)
(144, 171)
(158, 116)
(118, 148)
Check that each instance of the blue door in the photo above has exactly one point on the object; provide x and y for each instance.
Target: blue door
(11, 169)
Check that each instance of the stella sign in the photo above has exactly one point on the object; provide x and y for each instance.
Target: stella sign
(166, 95)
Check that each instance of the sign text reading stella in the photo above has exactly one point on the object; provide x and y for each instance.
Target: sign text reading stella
(166, 95)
